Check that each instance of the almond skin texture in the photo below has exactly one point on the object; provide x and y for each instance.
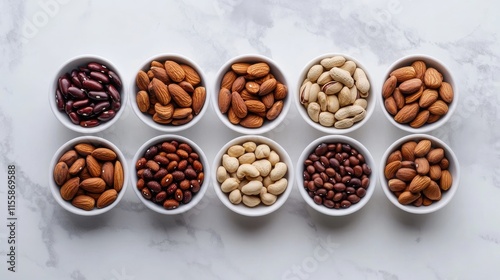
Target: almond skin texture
(69, 157)
(160, 74)
(395, 156)
(420, 119)
(180, 96)
(104, 154)
(258, 70)
(76, 167)
(238, 105)
(199, 96)
(422, 148)
(435, 155)
(396, 185)
(84, 202)
(267, 87)
(407, 113)
(174, 71)
(422, 166)
(390, 105)
(93, 185)
(408, 150)
(389, 86)
(191, 76)
(408, 197)
(410, 86)
(255, 106)
(228, 79)
(70, 188)
(391, 168)
(432, 78)
(252, 121)
(142, 100)
(428, 97)
(420, 68)
(446, 92)
(142, 80)
(107, 198)
(280, 92)
(438, 108)
(419, 183)
(224, 100)
(118, 178)
(160, 91)
(240, 68)
(84, 149)
(107, 173)
(406, 174)
(446, 180)
(275, 110)
(433, 191)
(93, 166)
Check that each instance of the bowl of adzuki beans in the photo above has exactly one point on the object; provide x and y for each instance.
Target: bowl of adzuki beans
(335, 176)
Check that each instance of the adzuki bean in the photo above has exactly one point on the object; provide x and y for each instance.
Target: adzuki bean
(89, 95)
(336, 175)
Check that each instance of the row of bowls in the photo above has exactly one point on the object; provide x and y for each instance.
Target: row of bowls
(294, 174)
(276, 70)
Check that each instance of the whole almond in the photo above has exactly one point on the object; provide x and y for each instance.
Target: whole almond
(252, 87)
(433, 118)
(429, 96)
(275, 110)
(70, 188)
(160, 120)
(404, 73)
(156, 63)
(186, 86)
(408, 197)
(60, 173)
(435, 155)
(446, 92)
(391, 168)
(435, 172)
(414, 96)
(420, 119)
(181, 113)
(239, 84)
(240, 68)
(432, 78)
(191, 75)
(268, 100)
(426, 201)
(396, 185)
(408, 150)
(174, 71)
(280, 92)
(410, 86)
(422, 166)
(258, 70)
(76, 167)
(433, 191)
(104, 154)
(438, 108)
(238, 105)
(69, 157)
(407, 113)
(93, 166)
(107, 173)
(395, 156)
(142, 80)
(231, 116)
(420, 68)
(252, 121)
(422, 148)
(142, 100)
(419, 183)
(161, 74)
(107, 198)
(228, 80)
(406, 174)
(389, 86)
(446, 180)
(118, 178)
(160, 91)
(224, 100)
(93, 185)
(255, 106)
(267, 87)
(84, 202)
(390, 105)
(165, 112)
(180, 96)
(199, 96)
(84, 149)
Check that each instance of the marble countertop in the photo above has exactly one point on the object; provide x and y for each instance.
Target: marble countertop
(461, 241)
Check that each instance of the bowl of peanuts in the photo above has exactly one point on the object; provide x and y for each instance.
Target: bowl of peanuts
(253, 175)
(419, 93)
(419, 173)
(334, 94)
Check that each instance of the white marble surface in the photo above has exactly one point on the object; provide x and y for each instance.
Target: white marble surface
(461, 241)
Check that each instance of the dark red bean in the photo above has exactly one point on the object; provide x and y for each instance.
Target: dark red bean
(115, 79)
(59, 100)
(106, 115)
(89, 123)
(187, 197)
(94, 66)
(85, 111)
(81, 103)
(328, 203)
(353, 198)
(64, 84)
(318, 200)
(113, 93)
(77, 93)
(154, 186)
(321, 149)
(92, 85)
(73, 116)
(345, 204)
(98, 95)
(101, 106)
(100, 77)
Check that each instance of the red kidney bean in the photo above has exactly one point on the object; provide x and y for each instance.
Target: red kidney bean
(106, 115)
(101, 106)
(59, 100)
(100, 77)
(336, 175)
(98, 95)
(179, 184)
(113, 93)
(64, 84)
(94, 66)
(81, 103)
(74, 118)
(76, 93)
(85, 111)
(89, 123)
(115, 79)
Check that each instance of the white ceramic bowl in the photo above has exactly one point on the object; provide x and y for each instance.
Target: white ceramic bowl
(447, 77)
(299, 173)
(196, 198)
(146, 118)
(259, 210)
(67, 67)
(279, 76)
(371, 99)
(446, 195)
(96, 141)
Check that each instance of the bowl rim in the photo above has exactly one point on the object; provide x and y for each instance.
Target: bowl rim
(179, 58)
(260, 210)
(435, 205)
(368, 159)
(196, 198)
(435, 63)
(275, 69)
(333, 130)
(62, 116)
(54, 188)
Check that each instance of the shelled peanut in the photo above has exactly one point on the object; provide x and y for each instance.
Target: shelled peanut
(89, 176)
(252, 174)
(418, 173)
(172, 93)
(334, 92)
(417, 94)
(250, 94)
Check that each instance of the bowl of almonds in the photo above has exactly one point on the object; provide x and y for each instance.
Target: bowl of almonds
(88, 175)
(419, 173)
(251, 94)
(418, 94)
(335, 94)
(168, 93)
(253, 175)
